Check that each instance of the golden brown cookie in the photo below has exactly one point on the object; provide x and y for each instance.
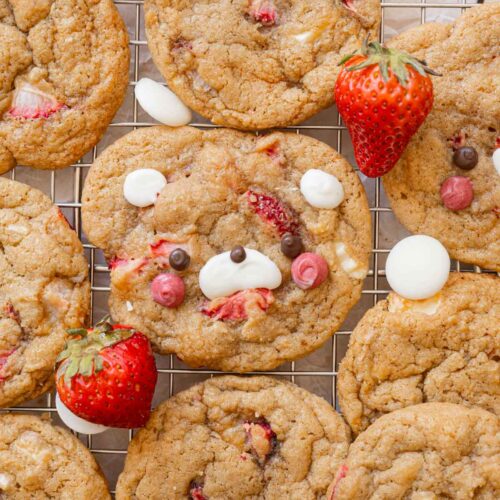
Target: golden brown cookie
(405, 352)
(255, 64)
(38, 460)
(466, 114)
(43, 290)
(63, 76)
(423, 452)
(231, 438)
(228, 189)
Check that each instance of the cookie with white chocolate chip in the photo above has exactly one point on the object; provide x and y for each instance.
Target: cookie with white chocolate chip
(231, 438)
(256, 275)
(39, 460)
(444, 348)
(63, 76)
(44, 290)
(447, 183)
(256, 64)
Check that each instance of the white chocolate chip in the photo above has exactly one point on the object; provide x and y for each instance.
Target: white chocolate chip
(221, 277)
(76, 423)
(142, 187)
(321, 190)
(5, 481)
(130, 306)
(312, 34)
(496, 160)
(351, 267)
(18, 229)
(161, 103)
(427, 306)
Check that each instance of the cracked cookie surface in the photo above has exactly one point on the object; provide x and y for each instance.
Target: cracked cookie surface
(231, 438)
(406, 352)
(255, 64)
(429, 451)
(218, 181)
(43, 290)
(63, 76)
(466, 113)
(39, 460)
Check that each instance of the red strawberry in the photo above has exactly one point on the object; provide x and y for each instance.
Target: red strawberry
(264, 12)
(196, 492)
(261, 439)
(162, 249)
(108, 375)
(30, 102)
(238, 305)
(383, 96)
(3, 361)
(273, 212)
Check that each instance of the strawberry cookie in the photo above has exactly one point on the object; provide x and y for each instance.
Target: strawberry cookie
(426, 451)
(233, 251)
(43, 290)
(231, 438)
(447, 183)
(256, 64)
(63, 76)
(38, 460)
(444, 348)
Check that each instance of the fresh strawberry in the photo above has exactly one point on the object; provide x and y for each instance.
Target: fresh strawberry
(341, 473)
(261, 439)
(29, 102)
(238, 305)
(383, 96)
(196, 492)
(108, 375)
(263, 12)
(273, 212)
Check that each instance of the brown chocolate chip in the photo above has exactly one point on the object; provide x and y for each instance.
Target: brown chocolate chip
(465, 158)
(179, 259)
(238, 254)
(291, 245)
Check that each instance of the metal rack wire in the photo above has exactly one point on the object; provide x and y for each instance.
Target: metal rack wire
(318, 371)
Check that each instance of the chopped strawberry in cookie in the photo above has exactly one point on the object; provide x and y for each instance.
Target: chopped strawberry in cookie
(3, 361)
(341, 473)
(29, 102)
(196, 491)
(264, 12)
(124, 270)
(261, 439)
(274, 212)
(170, 254)
(238, 306)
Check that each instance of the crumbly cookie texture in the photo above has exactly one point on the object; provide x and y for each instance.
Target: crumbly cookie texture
(231, 438)
(43, 290)
(405, 352)
(426, 451)
(207, 208)
(256, 64)
(39, 460)
(466, 113)
(63, 75)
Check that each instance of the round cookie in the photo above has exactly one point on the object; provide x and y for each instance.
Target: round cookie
(405, 352)
(38, 460)
(426, 451)
(63, 75)
(466, 113)
(43, 290)
(256, 64)
(227, 188)
(232, 438)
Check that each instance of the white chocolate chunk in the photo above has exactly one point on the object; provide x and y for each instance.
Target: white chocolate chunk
(130, 306)
(427, 306)
(353, 268)
(221, 277)
(496, 160)
(76, 423)
(321, 190)
(6, 480)
(161, 103)
(142, 187)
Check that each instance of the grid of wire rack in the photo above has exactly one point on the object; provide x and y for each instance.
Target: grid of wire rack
(316, 372)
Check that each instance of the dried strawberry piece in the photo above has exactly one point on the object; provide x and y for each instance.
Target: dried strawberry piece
(264, 12)
(238, 305)
(342, 472)
(30, 102)
(161, 250)
(457, 140)
(261, 439)
(196, 491)
(273, 212)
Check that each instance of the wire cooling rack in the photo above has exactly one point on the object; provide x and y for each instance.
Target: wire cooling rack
(318, 371)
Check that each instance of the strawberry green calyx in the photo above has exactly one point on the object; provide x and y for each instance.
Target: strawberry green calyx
(386, 59)
(81, 355)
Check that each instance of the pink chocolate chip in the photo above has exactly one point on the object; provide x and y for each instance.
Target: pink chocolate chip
(309, 270)
(457, 193)
(168, 290)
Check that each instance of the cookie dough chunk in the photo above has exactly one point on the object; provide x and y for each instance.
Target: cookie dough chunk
(405, 352)
(255, 64)
(231, 438)
(38, 460)
(426, 451)
(63, 76)
(446, 184)
(43, 290)
(168, 206)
